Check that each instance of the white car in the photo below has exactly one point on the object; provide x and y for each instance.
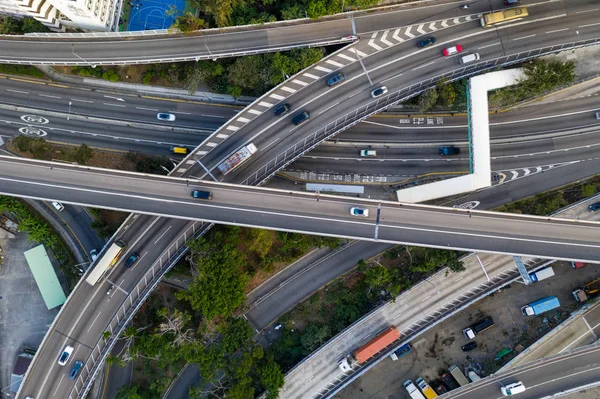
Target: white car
(513, 389)
(380, 91)
(65, 355)
(165, 116)
(357, 211)
(58, 206)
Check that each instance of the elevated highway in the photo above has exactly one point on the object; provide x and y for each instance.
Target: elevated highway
(304, 212)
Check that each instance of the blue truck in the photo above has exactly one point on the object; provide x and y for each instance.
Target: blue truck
(540, 306)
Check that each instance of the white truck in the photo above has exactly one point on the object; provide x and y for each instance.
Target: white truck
(542, 274)
(239, 157)
(412, 390)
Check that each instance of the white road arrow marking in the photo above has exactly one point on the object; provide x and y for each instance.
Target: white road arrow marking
(115, 98)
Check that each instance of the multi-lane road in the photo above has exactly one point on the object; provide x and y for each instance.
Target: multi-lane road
(398, 66)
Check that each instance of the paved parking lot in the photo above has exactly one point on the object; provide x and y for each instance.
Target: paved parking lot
(24, 318)
(435, 350)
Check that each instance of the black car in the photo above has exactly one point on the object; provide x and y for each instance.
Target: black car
(282, 109)
(132, 259)
(469, 347)
(594, 207)
(300, 118)
(426, 42)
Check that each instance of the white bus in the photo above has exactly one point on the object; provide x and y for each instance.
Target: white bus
(109, 259)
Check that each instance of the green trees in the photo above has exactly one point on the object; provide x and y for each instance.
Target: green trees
(81, 154)
(188, 23)
(427, 99)
(10, 26)
(30, 25)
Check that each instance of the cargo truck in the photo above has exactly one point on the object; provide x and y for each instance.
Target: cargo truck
(426, 389)
(476, 328)
(540, 306)
(368, 350)
(239, 157)
(541, 274)
(458, 375)
(412, 390)
(590, 290)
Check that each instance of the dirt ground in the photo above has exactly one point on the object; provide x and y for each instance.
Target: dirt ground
(434, 351)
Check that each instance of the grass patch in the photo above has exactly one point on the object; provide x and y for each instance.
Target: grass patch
(22, 70)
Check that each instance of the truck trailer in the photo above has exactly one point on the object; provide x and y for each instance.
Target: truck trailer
(476, 328)
(541, 274)
(426, 389)
(371, 348)
(458, 375)
(540, 306)
(239, 157)
(412, 390)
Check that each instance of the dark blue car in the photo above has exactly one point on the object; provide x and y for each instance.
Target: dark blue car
(335, 79)
(594, 207)
(75, 370)
(132, 259)
(426, 42)
(449, 150)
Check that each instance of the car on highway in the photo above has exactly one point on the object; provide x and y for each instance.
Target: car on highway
(469, 346)
(452, 50)
(132, 259)
(335, 79)
(165, 116)
(449, 150)
(513, 389)
(58, 206)
(598, 115)
(594, 207)
(358, 211)
(426, 42)
(94, 254)
(75, 370)
(301, 118)
(65, 355)
(368, 153)
(207, 195)
(511, 2)
(282, 109)
(380, 91)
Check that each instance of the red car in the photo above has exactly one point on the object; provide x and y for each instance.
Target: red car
(452, 50)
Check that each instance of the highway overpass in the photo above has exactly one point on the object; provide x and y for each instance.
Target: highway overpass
(303, 212)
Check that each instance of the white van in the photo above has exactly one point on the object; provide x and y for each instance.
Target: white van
(512, 389)
(469, 58)
(368, 153)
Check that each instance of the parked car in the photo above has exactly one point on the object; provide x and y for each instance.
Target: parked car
(75, 370)
(58, 206)
(594, 207)
(452, 50)
(469, 346)
(65, 355)
(132, 259)
(380, 91)
(449, 150)
(513, 389)
(426, 42)
(282, 109)
(165, 116)
(335, 79)
(358, 211)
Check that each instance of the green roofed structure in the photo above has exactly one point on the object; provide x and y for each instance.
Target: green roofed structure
(45, 277)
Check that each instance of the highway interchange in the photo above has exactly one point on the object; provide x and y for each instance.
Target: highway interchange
(320, 98)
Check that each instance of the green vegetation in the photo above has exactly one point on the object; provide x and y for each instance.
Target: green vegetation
(548, 202)
(252, 75)
(13, 26)
(542, 76)
(221, 13)
(149, 164)
(41, 149)
(109, 74)
(348, 298)
(40, 232)
(24, 70)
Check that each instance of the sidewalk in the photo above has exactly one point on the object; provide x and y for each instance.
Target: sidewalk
(144, 90)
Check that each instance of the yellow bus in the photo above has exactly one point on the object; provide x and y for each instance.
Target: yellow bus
(504, 16)
(109, 259)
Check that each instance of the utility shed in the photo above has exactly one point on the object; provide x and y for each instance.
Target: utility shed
(21, 366)
(45, 277)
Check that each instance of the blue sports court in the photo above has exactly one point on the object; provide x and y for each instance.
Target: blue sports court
(152, 14)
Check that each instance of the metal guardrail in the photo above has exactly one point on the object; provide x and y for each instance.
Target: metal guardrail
(352, 118)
